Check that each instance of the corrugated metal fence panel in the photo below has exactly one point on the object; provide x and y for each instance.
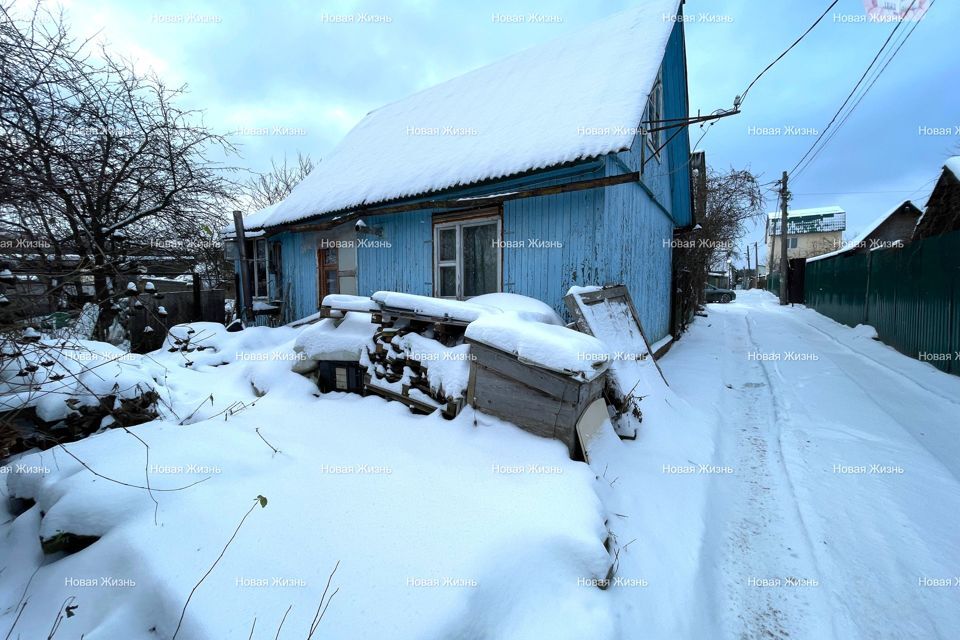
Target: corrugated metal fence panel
(913, 296)
(883, 298)
(773, 281)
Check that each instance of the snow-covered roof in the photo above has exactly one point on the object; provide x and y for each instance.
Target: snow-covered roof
(252, 221)
(861, 238)
(813, 211)
(953, 164)
(578, 96)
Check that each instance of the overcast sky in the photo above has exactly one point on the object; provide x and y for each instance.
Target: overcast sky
(294, 71)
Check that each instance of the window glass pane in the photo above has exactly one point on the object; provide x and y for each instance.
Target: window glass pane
(260, 269)
(333, 283)
(480, 258)
(448, 282)
(330, 257)
(448, 244)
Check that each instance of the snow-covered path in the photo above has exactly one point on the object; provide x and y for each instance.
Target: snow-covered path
(834, 500)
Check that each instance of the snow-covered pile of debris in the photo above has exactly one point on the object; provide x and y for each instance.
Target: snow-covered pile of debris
(413, 347)
(336, 339)
(58, 390)
(441, 529)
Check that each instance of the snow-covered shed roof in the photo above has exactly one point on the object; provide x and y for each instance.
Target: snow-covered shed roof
(860, 240)
(578, 96)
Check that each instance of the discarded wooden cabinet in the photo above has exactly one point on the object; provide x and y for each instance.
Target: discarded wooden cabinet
(541, 401)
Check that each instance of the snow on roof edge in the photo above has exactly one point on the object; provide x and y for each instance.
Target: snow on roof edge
(624, 50)
(811, 211)
(870, 228)
(953, 165)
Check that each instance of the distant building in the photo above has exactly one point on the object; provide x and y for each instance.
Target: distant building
(810, 232)
(893, 229)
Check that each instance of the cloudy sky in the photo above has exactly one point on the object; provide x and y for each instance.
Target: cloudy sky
(290, 76)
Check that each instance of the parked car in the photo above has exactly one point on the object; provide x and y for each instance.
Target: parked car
(716, 294)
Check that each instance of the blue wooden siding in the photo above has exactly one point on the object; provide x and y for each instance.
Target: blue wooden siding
(299, 257)
(676, 105)
(634, 242)
(407, 264)
(620, 234)
(570, 219)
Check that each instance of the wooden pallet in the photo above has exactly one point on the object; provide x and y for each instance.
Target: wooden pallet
(414, 404)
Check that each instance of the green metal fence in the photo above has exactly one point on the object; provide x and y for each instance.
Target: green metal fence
(909, 295)
(773, 283)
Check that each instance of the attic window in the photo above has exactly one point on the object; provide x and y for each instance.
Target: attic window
(654, 121)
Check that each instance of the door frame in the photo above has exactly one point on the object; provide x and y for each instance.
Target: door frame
(322, 270)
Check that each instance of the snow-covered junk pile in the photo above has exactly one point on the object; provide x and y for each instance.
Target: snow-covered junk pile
(504, 354)
(55, 390)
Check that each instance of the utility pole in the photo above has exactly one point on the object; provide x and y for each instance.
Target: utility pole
(749, 277)
(756, 258)
(244, 295)
(784, 263)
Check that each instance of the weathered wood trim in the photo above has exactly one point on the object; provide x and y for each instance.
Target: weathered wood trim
(465, 203)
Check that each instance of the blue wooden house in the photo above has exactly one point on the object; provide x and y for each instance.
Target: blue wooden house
(560, 165)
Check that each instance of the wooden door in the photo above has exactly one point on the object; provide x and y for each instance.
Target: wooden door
(327, 273)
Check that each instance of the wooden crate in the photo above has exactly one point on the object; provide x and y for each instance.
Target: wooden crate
(544, 402)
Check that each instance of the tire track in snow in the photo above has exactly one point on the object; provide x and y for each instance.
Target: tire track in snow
(765, 541)
(878, 518)
(880, 400)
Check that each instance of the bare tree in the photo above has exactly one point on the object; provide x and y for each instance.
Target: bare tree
(99, 162)
(276, 184)
(733, 198)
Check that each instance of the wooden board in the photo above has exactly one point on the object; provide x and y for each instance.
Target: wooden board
(609, 315)
(590, 426)
(539, 401)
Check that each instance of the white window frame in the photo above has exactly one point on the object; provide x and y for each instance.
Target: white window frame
(654, 116)
(460, 225)
(793, 243)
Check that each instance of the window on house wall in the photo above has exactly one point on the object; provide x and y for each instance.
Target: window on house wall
(258, 270)
(791, 243)
(466, 258)
(654, 117)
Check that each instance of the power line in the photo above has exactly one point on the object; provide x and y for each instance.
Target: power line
(743, 96)
(853, 91)
(863, 95)
(738, 101)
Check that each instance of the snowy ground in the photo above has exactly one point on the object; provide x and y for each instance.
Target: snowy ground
(747, 507)
(835, 508)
